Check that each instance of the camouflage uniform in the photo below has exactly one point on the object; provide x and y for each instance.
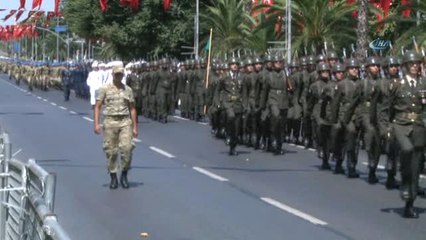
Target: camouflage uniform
(118, 134)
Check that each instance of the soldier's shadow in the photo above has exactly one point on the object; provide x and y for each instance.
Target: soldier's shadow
(131, 185)
(400, 210)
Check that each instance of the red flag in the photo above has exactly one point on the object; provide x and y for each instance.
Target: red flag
(407, 11)
(18, 15)
(104, 5)
(134, 4)
(166, 5)
(57, 2)
(37, 3)
(22, 4)
(11, 13)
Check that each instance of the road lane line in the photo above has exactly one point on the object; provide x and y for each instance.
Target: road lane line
(17, 152)
(162, 152)
(88, 119)
(210, 174)
(39, 97)
(294, 211)
(137, 140)
(298, 146)
(72, 112)
(53, 104)
(312, 149)
(63, 108)
(181, 118)
(44, 99)
(203, 123)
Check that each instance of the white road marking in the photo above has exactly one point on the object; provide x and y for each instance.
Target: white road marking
(39, 97)
(44, 99)
(381, 167)
(210, 174)
(162, 152)
(137, 140)
(63, 108)
(294, 211)
(88, 119)
(302, 147)
(72, 112)
(423, 176)
(312, 149)
(292, 144)
(17, 152)
(53, 104)
(203, 123)
(181, 118)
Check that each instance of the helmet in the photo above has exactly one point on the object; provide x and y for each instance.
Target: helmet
(352, 62)
(268, 58)
(294, 64)
(332, 55)
(248, 61)
(224, 66)
(323, 67)
(164, 61)
(320, 58)
(277, 58)
(338, 67)
(391, 60)
(233, 60)
(311, 60)
(257, 59)
(373, 61)
(303, 61)
(411, 56)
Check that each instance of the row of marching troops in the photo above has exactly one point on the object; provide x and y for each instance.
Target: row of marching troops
(316, 101)
(44, 75)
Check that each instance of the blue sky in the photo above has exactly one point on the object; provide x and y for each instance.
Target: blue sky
(47, 5)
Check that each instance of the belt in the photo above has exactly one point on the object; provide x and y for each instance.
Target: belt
(367, 103)
(234, 98)
(412, 116)
(277, 91)
(117, 117)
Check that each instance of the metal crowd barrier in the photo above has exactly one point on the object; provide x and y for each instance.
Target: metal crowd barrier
(27, 199)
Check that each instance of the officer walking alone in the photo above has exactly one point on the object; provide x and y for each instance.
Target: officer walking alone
(120, 125)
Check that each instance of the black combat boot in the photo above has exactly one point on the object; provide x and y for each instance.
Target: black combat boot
(338, 169)
(325, 165)
(232, 151)
(372, 178)
(409, 211)
(123, 180)
(390, 181)
(114, 182)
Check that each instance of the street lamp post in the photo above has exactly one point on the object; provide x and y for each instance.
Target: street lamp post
(197, 24)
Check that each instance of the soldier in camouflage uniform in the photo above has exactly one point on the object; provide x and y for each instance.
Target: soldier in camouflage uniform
(295, 109)
(119, 126)
(163, 90)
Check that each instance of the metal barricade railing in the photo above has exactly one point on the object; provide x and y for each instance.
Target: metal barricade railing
(27, 194)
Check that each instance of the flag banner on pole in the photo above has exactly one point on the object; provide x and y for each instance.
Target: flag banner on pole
(37, 4)
(18, 15)
(30, 14)
(11, 13)
(22, 5)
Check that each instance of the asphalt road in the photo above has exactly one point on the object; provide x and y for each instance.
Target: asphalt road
(184, 186)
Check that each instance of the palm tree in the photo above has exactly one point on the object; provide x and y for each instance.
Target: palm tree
(230, 24)
(411, 27)
(362, 30)
(315, 22)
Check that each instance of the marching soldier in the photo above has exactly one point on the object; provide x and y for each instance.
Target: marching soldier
(307, 80)
(295, 110)
(276, 89)
(345, 130)
(232, 87)
(163, 90)
(320, 127)
(133, 81)
(361, 106)
(408, 106)
(380, 116)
